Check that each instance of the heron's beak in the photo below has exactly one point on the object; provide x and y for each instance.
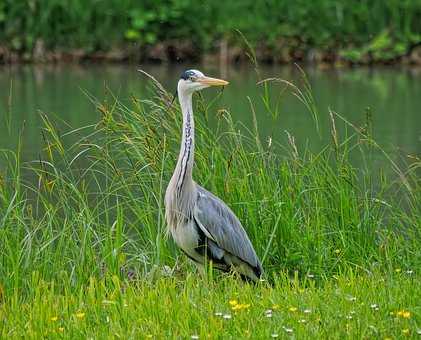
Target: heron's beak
(212, 81)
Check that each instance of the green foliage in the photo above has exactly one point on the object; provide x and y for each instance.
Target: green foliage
(380, 29)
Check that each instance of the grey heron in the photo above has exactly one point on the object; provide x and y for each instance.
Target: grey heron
(202, 225)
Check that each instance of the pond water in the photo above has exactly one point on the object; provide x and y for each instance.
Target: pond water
(392, 94)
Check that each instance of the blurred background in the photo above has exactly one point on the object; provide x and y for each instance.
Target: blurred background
(359, 56)
(173, 30)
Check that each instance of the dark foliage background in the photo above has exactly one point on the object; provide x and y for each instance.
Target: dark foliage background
(361, 31)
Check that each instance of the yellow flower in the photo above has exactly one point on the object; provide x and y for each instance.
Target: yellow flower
(61, 329)
(405, 331)
(54, 318)
(337, 251)
(240, 306)
(293, 309)
(233, 302)
(80, 315)
(404, 314)
(398, 270)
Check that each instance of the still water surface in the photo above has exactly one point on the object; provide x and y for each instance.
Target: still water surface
(393, 96)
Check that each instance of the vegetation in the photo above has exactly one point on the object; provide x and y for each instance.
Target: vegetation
(322, 30)
(82, 235)
(358, 307)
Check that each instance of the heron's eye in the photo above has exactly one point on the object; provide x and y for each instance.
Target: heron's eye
(193, 77)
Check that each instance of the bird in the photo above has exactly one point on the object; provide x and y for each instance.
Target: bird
(201, 224)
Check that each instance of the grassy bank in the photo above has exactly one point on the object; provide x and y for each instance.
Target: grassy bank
(322, 31)
(82, 232)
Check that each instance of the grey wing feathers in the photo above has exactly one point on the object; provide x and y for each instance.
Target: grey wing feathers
(222, 226)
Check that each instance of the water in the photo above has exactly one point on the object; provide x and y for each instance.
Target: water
(393, 96)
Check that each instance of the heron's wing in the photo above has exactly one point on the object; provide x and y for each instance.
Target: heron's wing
(221, 225)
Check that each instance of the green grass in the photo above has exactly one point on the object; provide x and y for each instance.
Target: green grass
(350, 306)
(89, 211)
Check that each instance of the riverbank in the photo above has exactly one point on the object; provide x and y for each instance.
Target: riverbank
(335, 32)
(184, 51)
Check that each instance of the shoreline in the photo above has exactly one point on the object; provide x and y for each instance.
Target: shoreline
(224, 55)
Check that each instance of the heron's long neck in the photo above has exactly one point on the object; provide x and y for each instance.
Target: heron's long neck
(185, 161)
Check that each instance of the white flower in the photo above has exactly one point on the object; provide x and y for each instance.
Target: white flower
(351, 298)
(288, 330)
(373, 328)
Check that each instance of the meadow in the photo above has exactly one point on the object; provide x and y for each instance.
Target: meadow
(84, 251)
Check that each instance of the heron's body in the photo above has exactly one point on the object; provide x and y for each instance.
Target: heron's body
(202, 225)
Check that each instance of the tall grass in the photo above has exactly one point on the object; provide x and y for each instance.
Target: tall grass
(94, 207)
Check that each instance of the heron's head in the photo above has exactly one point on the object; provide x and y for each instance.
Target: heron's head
(194, 80)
